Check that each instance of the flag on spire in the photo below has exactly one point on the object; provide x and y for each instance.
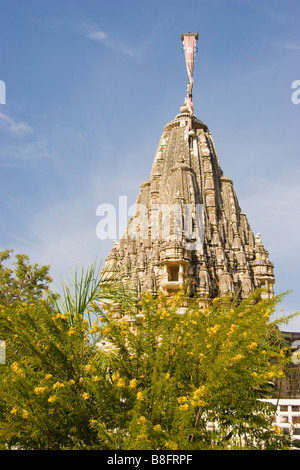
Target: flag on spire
(189, 45)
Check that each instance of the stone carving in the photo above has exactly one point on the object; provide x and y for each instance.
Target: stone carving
(218, 256)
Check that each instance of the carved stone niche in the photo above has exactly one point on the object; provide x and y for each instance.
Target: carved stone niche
(174, 274)
(225, 285)
(210, 199)
(202, 137)
(209, 183)
(204, 150)
(212, 215)
(246, 284)
(207, 168)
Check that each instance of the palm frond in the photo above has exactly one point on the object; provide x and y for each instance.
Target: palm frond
(95, 285)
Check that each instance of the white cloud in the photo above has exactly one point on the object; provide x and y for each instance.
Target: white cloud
(289, 46)
(13, 154)
(21, 142)
(18, 129)
(97, 35)
(113, 42)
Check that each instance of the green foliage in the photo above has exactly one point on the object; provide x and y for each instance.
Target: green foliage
(21, 280)
(199, 375)
(145, 374)
(94, 285)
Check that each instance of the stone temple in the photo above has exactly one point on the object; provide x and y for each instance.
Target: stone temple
(188, 227)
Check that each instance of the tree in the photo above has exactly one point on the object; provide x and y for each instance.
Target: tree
(97, 368)
(52, 361)
(22, 280)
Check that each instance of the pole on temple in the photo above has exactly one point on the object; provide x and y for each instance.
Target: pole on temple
(189, 45)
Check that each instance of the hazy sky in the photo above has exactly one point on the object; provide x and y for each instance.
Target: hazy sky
(90, 86)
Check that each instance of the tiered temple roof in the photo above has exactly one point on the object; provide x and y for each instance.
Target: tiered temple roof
(188, 226)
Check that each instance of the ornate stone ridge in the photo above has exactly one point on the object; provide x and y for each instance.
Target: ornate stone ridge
(188, 226)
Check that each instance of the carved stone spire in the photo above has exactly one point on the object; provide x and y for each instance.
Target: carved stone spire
(188, 226)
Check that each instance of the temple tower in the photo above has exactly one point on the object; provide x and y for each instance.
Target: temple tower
(188, 227)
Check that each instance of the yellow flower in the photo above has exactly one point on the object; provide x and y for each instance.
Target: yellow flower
(139, 396)
(123, 323)
(198, 402)
(95, 328)
(115, 376)
(87, 368)
(52, 399)
(39, 390)
(121, 383)
(58, 385)
(14, 410)
(164, 314)
(157, 427)
(48, 376)
(238, 357)
(184, 407)
(199, 392)
(231, 330)
(85, 396)
(15, 367)
(277, 429)
(25, 414)
(132, 383)
(182, 400)
(142, 420)
(65, 316)
(96, 378)
(213, 330)
(252, 345)
(171, 445)
(71, 331)
(167, 376)
(267, 314)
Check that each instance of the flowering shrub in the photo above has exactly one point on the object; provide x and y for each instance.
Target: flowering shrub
(139, 374)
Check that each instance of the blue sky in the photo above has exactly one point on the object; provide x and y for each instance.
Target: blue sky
(90, 86)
